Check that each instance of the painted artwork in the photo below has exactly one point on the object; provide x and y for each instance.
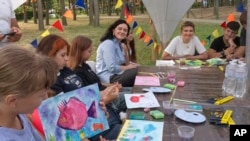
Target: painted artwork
(141, 130)
(147, 81)
(74, 115)
(145, 100)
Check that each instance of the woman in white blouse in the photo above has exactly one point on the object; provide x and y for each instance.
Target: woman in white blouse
(186, 45)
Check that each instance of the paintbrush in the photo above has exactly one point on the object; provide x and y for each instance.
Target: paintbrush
(172, 97)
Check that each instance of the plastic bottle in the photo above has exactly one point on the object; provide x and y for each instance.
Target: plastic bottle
(229, 82)
(241, 78)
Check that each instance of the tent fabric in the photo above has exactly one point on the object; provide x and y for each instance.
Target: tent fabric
(166, 14)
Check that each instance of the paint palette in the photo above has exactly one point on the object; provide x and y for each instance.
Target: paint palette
(192, 117)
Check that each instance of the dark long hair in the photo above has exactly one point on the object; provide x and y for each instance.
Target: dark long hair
(109, 32)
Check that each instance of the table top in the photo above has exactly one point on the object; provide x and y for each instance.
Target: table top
(200, 85)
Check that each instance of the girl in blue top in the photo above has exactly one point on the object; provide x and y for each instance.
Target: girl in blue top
(110, 59)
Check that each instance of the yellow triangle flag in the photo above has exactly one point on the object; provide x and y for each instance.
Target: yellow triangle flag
(159, 49)
(155, 45)
(138, 30)
(68, 14)
(231, 17)
(45, 33)
(215, 33)
(118, 4)
(129, 19)
(147, 38)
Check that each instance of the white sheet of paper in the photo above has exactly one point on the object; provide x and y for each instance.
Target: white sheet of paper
(144, 100)
(164, 63)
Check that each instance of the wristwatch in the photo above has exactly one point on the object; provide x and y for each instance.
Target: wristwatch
(223, 54)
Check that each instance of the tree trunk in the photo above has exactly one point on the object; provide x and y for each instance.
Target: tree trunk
(74, 9)
(34, 12)
(96, 13)
(62, 7)
(25, 17)
(40, 15)
(46, 4)
(109, 7)
(91, 12)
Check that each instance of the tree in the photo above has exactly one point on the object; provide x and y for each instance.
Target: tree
(40, 15)
(62, 7)
(34, 12)
(94, 15)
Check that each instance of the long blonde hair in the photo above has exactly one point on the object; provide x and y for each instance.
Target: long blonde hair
(23, 71)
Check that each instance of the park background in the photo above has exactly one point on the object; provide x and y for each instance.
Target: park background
(207, 20)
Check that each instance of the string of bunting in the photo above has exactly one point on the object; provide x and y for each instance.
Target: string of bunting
(231, 17)
(142, 35)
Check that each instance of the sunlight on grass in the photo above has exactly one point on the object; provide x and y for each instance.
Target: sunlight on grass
(81, 27)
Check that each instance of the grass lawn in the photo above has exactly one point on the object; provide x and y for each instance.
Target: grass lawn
(30, 32)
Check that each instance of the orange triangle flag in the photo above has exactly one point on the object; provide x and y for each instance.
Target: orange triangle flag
(58, 25)
(68, 14)
(230, 17)
(129, 19)
(203, 42)
(147, 38)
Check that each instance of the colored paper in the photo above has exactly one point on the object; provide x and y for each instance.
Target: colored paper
(118, 4)
(138, 31)
(80, 3)
(231, 17)
(68, 14)
(147, 38)
(34, 43)
(224, 24)
(45, 33)
(240, 8)
(142, 35)
(141, 130)
(126, 13)
(146, 100)
(74, 115)
(216, 33)
(135, 24)
(58, 25)
(147, 81)
(129, 18)
(150, 42)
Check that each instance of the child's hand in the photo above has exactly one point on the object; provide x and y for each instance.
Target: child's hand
(104, 108)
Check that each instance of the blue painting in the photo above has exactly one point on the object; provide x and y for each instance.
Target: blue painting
(74, 115)
(141, 130)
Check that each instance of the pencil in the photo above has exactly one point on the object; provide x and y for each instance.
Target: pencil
(172, 97)
(181, 100)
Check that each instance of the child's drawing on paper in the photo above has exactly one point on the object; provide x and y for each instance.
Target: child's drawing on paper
(141, 130)
(147, 100)
(74, 115)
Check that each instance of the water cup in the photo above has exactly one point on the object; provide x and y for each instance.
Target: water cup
(182, 61)
(168, 108)
(186, 133)
(171, 76)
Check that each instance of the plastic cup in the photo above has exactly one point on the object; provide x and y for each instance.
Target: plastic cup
(186, 133)
(171, 76)
(182, 61)
(168, 108)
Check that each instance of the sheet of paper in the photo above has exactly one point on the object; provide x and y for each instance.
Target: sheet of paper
(141, 130)
(164, 63)
(147, 81)
(145, 100)
(73, 115)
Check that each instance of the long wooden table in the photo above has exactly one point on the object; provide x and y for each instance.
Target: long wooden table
(200, 85)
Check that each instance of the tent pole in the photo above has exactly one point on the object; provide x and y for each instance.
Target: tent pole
(248, 48)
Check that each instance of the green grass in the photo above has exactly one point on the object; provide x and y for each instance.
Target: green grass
(74, 28)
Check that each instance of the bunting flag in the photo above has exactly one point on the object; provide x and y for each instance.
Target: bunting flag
(224, 24)
(231, 17)
(240, 8)
(45, 33)
(58, 25)
(34, 43)
(203, 42)
(159, 50)
(135, 24)
(17, 3)
(118, 4)
(138, 31)
(142, 35)
(215, 33)
(155, 45)
(150, 42)
(209, 38)
(129, 19)
(68, 14)
(80, 3)
(125, 9)
(147, 38)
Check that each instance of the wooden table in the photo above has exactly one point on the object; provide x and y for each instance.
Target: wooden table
(201, 84)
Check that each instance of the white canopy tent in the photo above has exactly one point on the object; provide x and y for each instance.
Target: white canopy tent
(166, 14)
